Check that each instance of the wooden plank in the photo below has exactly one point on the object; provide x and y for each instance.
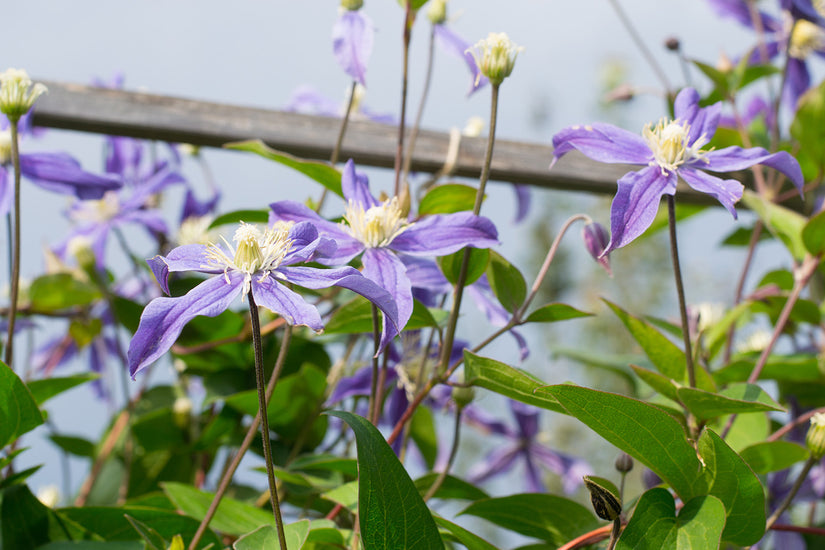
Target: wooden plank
(148, 116)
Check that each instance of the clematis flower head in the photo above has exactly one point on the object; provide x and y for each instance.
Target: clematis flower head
(352, 40)
(17, 93)
(495, 56)
(670, 150)
(259, 263)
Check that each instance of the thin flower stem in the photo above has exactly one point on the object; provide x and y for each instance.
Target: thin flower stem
(226, 478)
(680, 290)
(803, 274)
(614, 533)
(637, 39)
(408, 23)
(798, 421)
(15, 263)
(420, 114)
(449, 335)
(262, 408)
(439, 481)
(374, 407)
(795, 489)
(740, 287)
(339, 142)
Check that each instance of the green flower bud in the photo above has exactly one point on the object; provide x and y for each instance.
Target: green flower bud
(604, 496)
(463, 396)
(495, 56)
(352, 5)
(815, 440)
(17, 94)
(624, 463)
(437, 12)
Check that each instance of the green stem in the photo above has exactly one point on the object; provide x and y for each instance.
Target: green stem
(680, 290)
(637, 39)
(795, 489)
(226, 478)
(453, 452)
(374, 406)
(614, 533)
(408, 22)
(339, 142)
(15, 264)
(262, 408)
(420, 114)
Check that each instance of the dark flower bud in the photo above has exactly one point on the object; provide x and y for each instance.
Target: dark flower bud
(596, 239)
(673, 44)
(604, 496)
(624, 463)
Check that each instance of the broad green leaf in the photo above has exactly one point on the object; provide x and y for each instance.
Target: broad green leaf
(551, 313)
(237, 216)
(784, 368)
(507, 282)
(232, 518)
(507, 381)
(659, 382)
(18, 410)
(109, 523)
(332, 463)
(346, 495)
(152, 538)
(643, 431)
(19, 476)
(551, 518)
(74, 445)
(61, 291)
(83, 332)
(469, 540)
(423, 432)
(94, 545)
(25, 522)
(813, 234)
(783, 223)
(655, 524)
(664, 354)
(447, 199)
(355, 317)
(391, 512)
(452, 488)
(613, 363)
(266, 537)
(43, 390)
(808, 126)
(735, 399)
(731, 480)
(451, 264)
(773, 456)
(748, 429)
(322, 172)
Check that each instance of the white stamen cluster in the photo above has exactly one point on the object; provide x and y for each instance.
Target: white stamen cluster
(17, 94)
(668, 141)
(194, 230)
(806, 38)
(495, 56)
(256, 252)
(378, 225)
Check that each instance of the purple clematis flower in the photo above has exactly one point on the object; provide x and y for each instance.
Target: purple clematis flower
(306, 99)
(669, 151)
(459, 47)
(381, 231)
(525, 447)
(260, 264)
(352, 39)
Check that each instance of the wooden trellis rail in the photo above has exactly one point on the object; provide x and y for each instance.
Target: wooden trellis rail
(148, 116)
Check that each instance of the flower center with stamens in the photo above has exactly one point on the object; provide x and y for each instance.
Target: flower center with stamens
(5, 146)
(97, 210)
(668, 141)
(806, 38)
(256, 252)
(378, 225)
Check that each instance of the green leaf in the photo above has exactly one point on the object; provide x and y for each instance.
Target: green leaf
(731, 480)
(507, 381)
(423, 433)
(783, 223)
(643, 431)
(551, 313)
(698, 526)
(346, 495)
(507, 282)
(237, 216)
(447, 199)
(26, 523)
(784, 368)
(392, 514)
(266, 537)
(551, 518)
(94, 545)
(322, 172)
(18, 410)
(61, 291)
(813, 234)
(355, 317)
(737, 398)
(451, 264)
(152, 537)
(808, 126)
(43, 390)
(773, 456)
(74, 445)
(452, 488)
(664, 354)
(233, 517)
(469, 540)
(659, 382)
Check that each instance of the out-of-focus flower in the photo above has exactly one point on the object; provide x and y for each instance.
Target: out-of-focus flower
(495, 57)
(260, 263)
(352, 40)
(306, 99)
(453, 43)
(668, 151)
(17, 93)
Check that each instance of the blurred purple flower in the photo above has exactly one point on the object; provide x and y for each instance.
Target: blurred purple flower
(307, 100)
(352, 39)
(596, 239)
(457, 46)
(668, 151)
(260, 264)
(381, 231)
(523, 446)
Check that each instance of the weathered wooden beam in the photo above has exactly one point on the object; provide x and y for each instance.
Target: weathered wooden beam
(148, 116)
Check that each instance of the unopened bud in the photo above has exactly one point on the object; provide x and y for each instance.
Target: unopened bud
(437, 12)
(596, 239)
(673, 44)
(17, 93)
(815, 440)
(463, 395)
(495, 56)
(624, 463)
(604, 496)
(181, 411)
